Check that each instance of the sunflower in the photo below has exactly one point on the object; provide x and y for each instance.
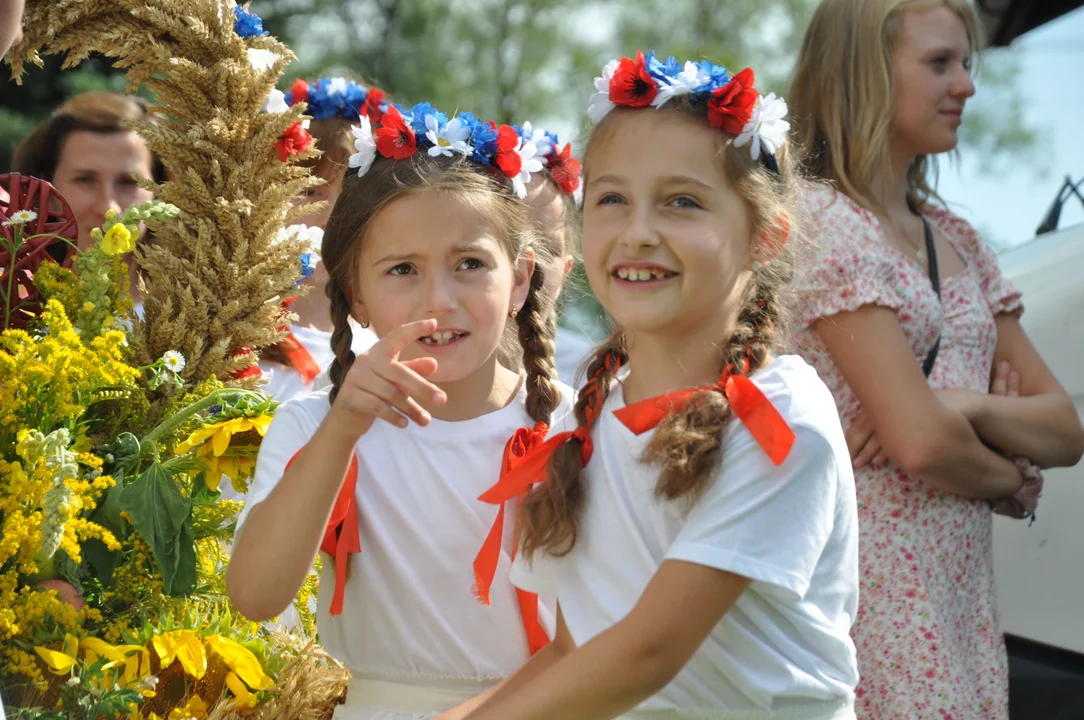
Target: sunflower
(216, 449)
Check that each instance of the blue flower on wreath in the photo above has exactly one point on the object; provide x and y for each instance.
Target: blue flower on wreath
(419, 112)
(482, 136)
(308, 265)
(322, 105)
(719, 76)
(670, 68)
(353, 99)
(247, 24)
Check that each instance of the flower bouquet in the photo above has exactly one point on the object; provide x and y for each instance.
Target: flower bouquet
(117, 427)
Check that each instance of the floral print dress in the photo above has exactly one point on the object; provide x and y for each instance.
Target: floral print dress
(928, 633)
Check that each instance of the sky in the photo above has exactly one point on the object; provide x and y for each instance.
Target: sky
(1009, 201)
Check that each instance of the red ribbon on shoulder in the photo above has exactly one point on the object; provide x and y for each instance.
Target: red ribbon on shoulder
(342, 537)
(299, 358)
(747, 402)
(518, 448)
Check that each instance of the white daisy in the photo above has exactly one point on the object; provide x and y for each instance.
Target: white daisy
(275, 102)
(365, 144)
(22, 217)
(687, 81)
(337, 86)
(452, 139)
(312, 236)
(174, 361)
(530, 163)
(261, 59)
(766, 126)
(600, 104)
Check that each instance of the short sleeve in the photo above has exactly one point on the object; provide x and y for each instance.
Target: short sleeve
(1000, 293)
(288, 432)
(766, 523)
(535, 573)
(842, 265)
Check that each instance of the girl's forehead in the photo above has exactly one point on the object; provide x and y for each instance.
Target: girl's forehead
(647, 142)
(428, 222)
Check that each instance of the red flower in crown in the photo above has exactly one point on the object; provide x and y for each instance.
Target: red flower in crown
(294, 141)
(565, 169)
(299, 92)
(374, 98)
(395, 139)
(731, 106)
(507, 157)
(632, 84)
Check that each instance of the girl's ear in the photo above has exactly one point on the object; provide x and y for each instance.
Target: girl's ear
(524, 269)
(569, 260)
(773, 240)
(357, 311)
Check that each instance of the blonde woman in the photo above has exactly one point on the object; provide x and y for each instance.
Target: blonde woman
(881, 87)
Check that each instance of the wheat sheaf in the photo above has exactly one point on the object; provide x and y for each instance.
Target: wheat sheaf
(214, 276)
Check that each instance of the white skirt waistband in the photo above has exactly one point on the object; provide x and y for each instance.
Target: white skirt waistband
(828, 711)
(365, 694)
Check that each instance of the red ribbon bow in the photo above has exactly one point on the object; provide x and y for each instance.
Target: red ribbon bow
(342, 537)
(519, 447)
(747, 402)
(299, 358)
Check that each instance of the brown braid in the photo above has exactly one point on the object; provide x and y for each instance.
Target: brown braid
(550, 515)
(537, 330)
(342, 337)
(687, 445)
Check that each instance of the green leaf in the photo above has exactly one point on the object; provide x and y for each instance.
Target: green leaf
(164, 518)
(101, 559)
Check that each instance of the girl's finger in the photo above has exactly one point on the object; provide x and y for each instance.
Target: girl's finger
(858, 434)
(411, 383)
(424, 366)
(1001, 374)
(377, 407)
(868, 452)
(391, 395)
(400, 338)
(1012, 385)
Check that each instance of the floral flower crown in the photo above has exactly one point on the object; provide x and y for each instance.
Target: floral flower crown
(733, 104)
(337, 97)
(518, 152)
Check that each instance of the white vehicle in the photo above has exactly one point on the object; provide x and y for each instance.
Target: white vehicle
(1040, 569)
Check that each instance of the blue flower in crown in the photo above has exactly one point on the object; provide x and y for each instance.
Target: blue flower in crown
(247, 24)
(662, 70)
(720, 76)
(483, 137)
(417, 117)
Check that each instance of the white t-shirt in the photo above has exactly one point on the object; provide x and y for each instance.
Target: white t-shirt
(409, 612)
(791, 529)
(284, 382)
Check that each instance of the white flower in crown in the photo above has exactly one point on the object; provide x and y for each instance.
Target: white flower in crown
(542, 142)
(687, 81)
(766, 127)
(275, 102)
(311, 236)
(531, 163)
(600, 104)
(453, 138)
(365, 144)
(21, 217)
(337, 86)
(261, 59)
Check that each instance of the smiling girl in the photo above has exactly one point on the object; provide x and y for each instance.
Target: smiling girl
(698, 521)
(430, 246)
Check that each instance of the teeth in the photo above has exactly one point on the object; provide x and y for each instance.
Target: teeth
(641, 274)
(440, 338)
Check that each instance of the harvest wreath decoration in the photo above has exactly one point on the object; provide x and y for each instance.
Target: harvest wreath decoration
(116, 430)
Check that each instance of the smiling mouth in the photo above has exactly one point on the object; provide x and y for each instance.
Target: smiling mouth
(643, 274)
(442, 337)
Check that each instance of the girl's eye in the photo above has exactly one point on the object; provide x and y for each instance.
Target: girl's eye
(401, 269)
(84, 180)
(940, 62)
(685, 201)
(967, 64)
(128, 180)
(610, 199)
(470, 264)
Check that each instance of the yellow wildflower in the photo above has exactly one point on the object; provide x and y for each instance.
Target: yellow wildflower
(118, 240)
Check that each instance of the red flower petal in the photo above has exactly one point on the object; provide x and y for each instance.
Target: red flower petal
(299, 92)
(632, 84)
(294, 141)
(373, 100)
(508, 160)
(731, 106)
(395, 139)
(565, 169)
